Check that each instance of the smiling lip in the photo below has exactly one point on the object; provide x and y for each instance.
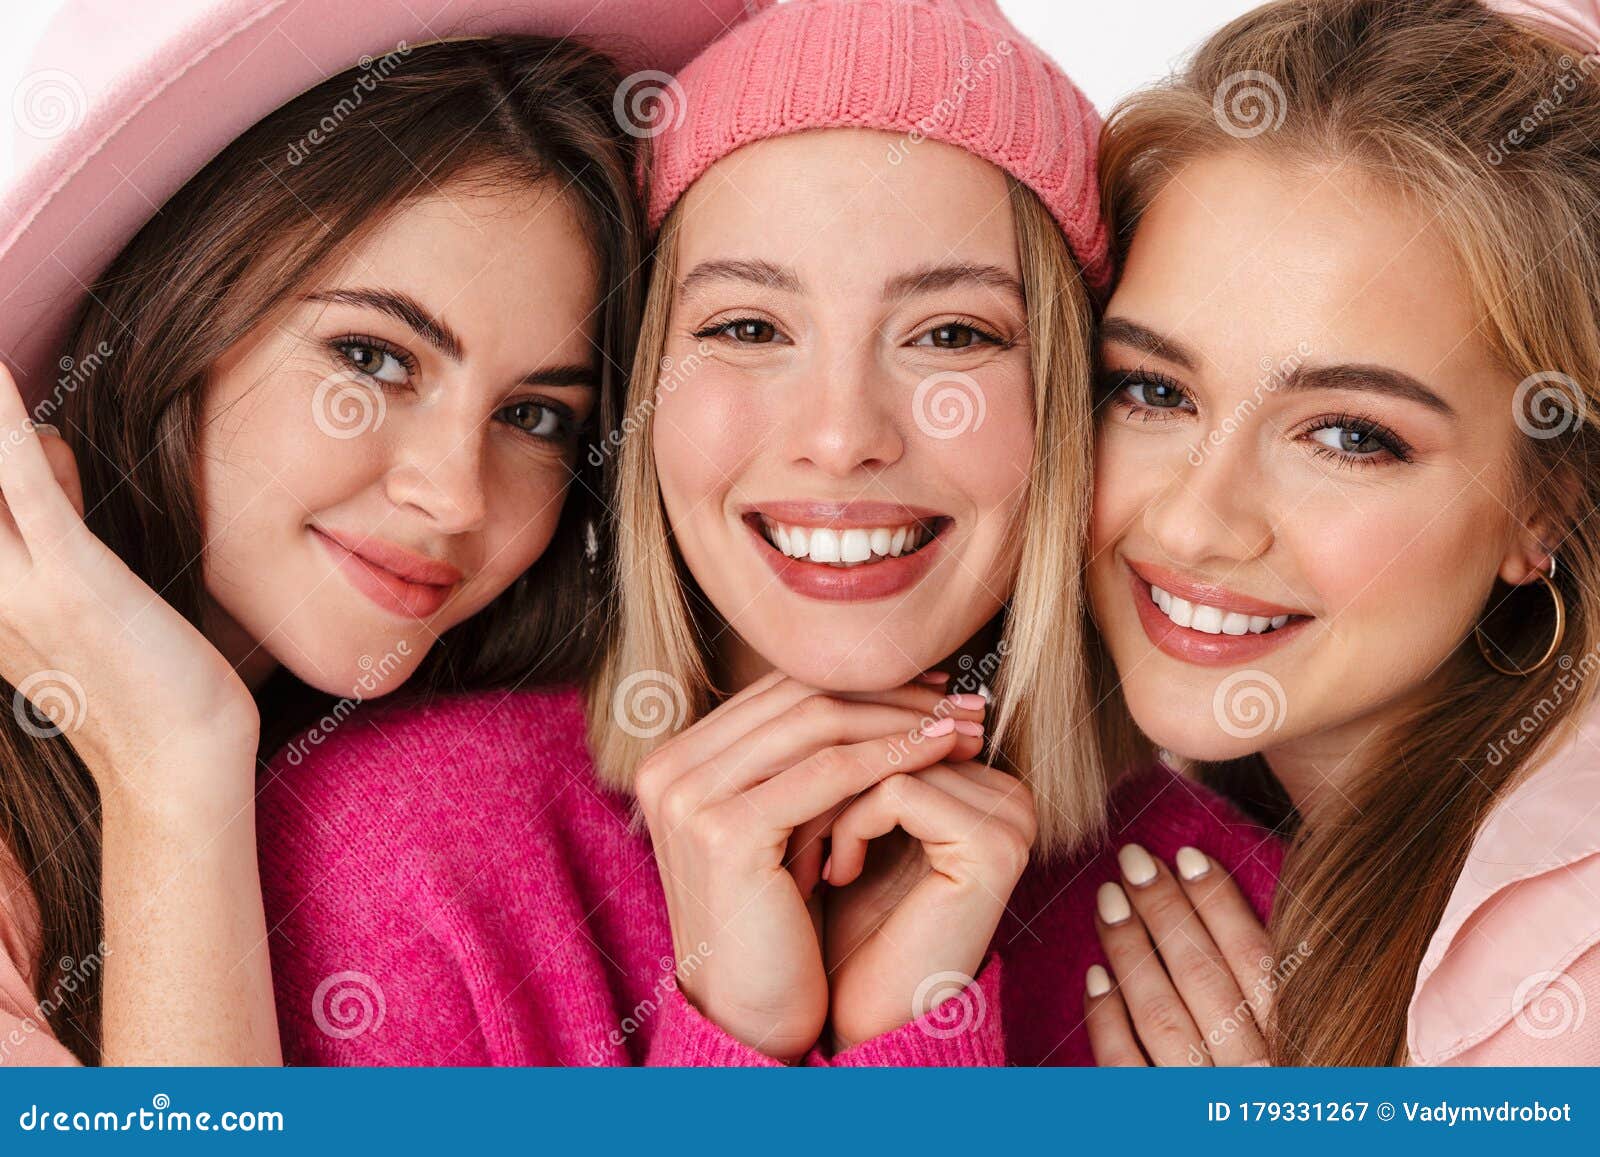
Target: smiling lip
(1200, 647)
(880, 579)
(396, 579)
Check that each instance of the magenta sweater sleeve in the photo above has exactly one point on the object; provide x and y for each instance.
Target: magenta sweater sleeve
(963, 1030)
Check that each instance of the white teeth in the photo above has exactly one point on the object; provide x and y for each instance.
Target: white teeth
(1212, 620)
(850, 547)
(824, 545)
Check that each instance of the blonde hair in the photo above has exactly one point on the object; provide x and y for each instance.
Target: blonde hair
(1041, 725)
(1489, 127)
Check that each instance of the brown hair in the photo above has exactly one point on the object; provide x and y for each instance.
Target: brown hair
(1042, 728)
(1491, 128)
(517, 109)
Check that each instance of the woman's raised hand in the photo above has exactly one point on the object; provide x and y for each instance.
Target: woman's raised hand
(735, 803)
(139, 692)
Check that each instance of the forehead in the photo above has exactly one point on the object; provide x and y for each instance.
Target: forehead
(1240, 257)
(833, 203)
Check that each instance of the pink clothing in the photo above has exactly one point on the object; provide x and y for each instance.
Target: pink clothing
(955, 71)
(449, 884)
(1515, 962)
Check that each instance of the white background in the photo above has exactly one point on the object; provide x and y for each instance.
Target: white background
(1107, 46)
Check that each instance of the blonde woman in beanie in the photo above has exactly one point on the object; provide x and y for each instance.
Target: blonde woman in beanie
(830, 799)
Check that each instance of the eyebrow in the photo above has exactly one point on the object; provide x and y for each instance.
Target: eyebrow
(931, 278)
(1344, 376)
(403, 308)
(409, 312)
(927, 279)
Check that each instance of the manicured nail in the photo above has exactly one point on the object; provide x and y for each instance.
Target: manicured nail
(967, 701)
(46, 428)
(1192, 863)
(933, 677)
(827, 866)
(1137, 866)
(1098, 982)
(939, 727)
(968, 727)
(1112, 903)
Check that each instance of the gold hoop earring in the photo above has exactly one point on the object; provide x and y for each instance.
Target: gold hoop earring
(1555, 642)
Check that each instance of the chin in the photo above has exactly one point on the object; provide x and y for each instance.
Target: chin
(851, 665)
(1192, 735)
(348, 672)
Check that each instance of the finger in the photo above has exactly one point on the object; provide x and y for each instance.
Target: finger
(1110, 1031)
(1161, 1019)
(1003, 797)
(905, 801)
(64, 464)
(1233, 924)
(1192, 959)
(814, 723)
(834, 774)
(38, 504)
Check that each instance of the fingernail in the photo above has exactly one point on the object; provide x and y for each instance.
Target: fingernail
(46, 428)
(1112, 903)
(827, 865)
(1192, 863)
(1137, 866)
(939, 727)
(967, 701)
(936, 677)
(1098, 982)
(968, 727)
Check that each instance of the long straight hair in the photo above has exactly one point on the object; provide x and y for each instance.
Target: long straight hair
(257, 224)
(1492, 128)
(1042, 726)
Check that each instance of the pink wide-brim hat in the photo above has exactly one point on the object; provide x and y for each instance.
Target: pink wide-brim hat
(122, 103)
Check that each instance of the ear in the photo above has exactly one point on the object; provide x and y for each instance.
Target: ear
(1530, 553)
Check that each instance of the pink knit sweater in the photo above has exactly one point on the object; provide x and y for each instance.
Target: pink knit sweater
(450, 885)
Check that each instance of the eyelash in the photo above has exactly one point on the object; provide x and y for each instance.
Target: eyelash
(1114, 385)
(721, 328)
(570, 427)
(340, 344)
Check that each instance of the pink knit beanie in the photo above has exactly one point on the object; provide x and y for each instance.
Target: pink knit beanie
(945, 70)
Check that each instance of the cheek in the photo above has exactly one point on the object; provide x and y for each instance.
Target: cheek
(1122, 489)
(704, 433)
(527, 500)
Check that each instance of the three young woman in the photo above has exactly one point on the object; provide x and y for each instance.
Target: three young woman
(853, 493)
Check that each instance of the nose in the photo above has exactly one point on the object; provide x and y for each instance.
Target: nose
(440, 472)
(845, 421)
(1214, 506)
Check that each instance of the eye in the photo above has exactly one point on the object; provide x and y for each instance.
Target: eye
(957, 335)
(1144, 392)
(743, 330)
(1357, 441)
(375, 359)
(540, 420)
